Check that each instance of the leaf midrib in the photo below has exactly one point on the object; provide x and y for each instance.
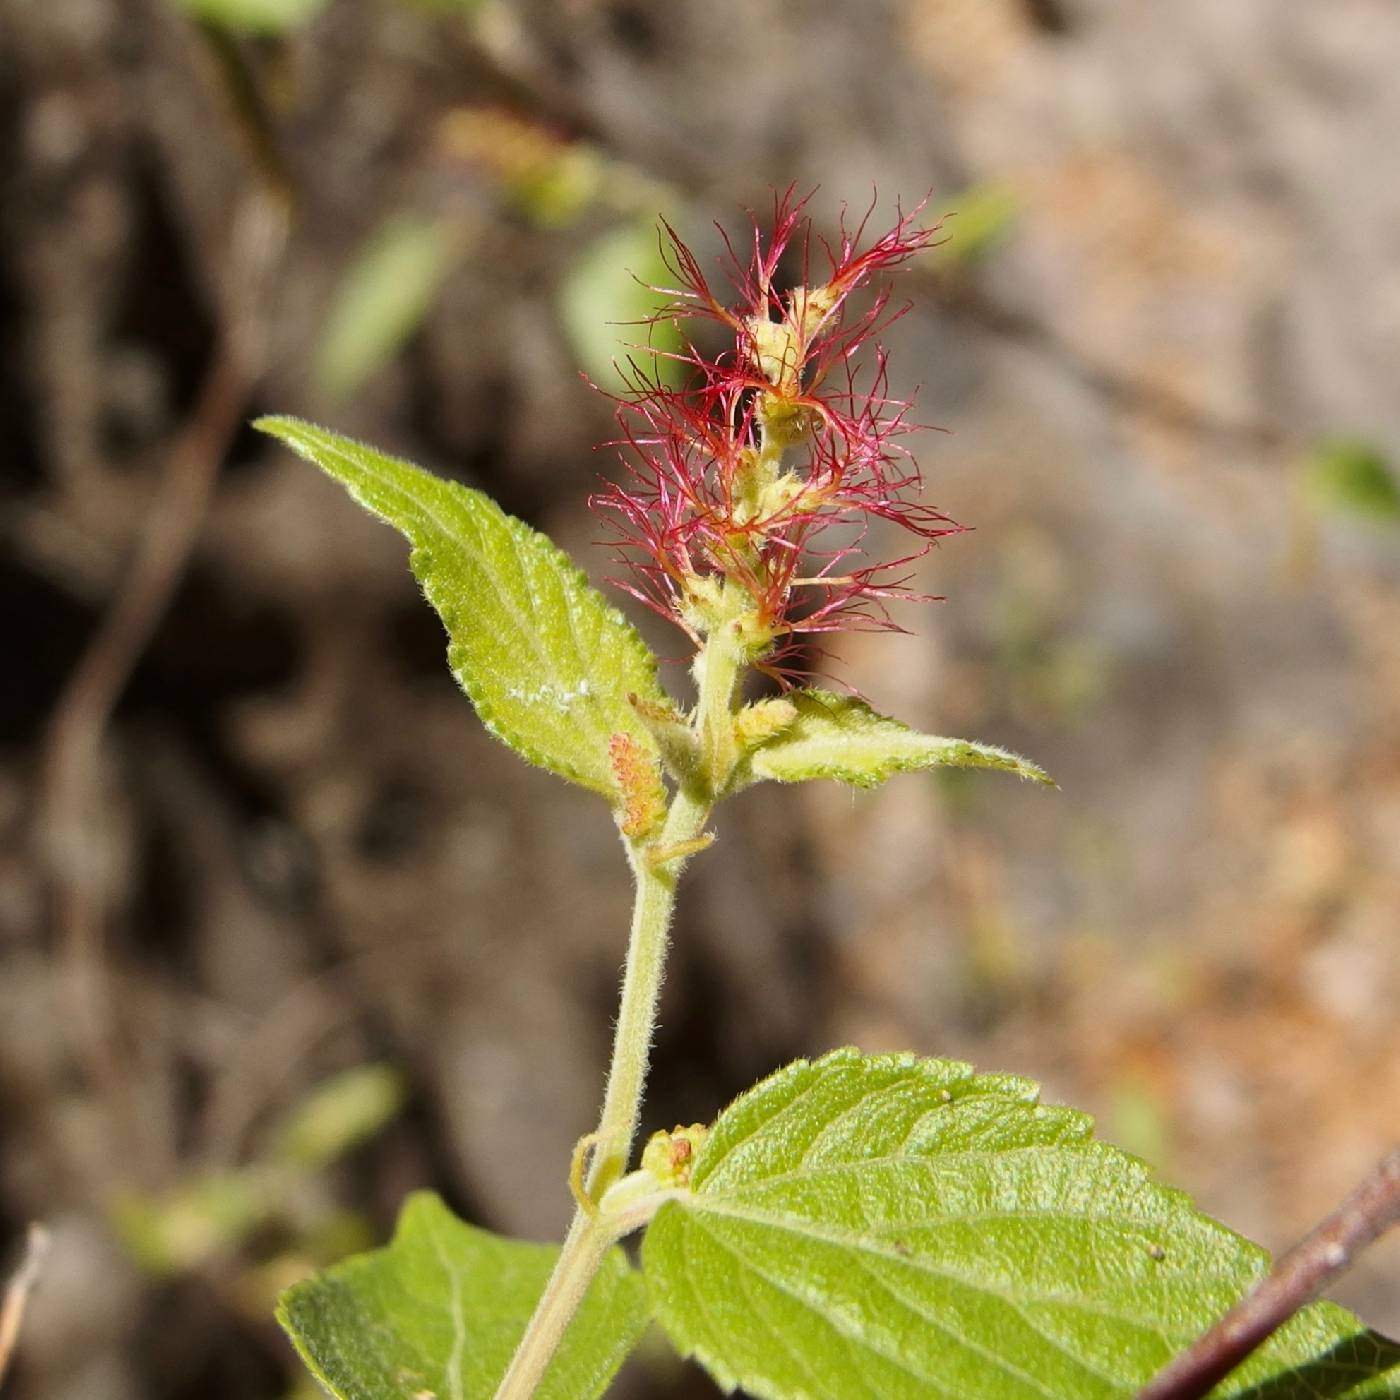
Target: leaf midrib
(892, 748)
(806, 1229)
(804, 1170)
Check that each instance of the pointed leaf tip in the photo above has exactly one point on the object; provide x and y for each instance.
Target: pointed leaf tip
(546, 660)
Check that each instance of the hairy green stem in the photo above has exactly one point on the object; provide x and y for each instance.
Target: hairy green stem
(641, 989)
(590, 1235)
(718, 670)
(583, 1251)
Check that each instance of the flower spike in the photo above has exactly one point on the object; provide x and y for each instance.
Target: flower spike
(749, 491)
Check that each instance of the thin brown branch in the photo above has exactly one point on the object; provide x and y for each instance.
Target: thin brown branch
(17, 1293)
(1296, 1280)
(70, 806)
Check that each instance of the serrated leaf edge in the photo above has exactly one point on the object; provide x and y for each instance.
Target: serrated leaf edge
(306, 439)
(1023, 1094)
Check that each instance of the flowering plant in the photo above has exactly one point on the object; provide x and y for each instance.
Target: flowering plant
(854, 1225)
(716, 520)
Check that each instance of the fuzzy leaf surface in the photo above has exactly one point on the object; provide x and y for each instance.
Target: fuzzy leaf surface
(885, 1228)
(440, 1312)
(546, 660)
(836, 736)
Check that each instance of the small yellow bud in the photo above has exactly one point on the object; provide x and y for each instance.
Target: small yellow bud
(789, 494)
(777, 351)
(810, 306)
(670, 1156)
(757, 723)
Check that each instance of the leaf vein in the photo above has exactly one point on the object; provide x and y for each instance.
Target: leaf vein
(996, 1359)
(1017, 1305)
(458, 1314)
(845, 1240)
(783, 1287)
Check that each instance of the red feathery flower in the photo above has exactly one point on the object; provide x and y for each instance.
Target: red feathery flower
(750, 490)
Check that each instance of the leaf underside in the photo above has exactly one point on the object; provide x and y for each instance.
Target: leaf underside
(440, 1311)
(874, 1228)
(545, 659)
(836, 736)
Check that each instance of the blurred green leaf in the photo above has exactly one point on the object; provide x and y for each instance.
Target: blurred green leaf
(548, 177)
(184, 1229)
(337, 1116)
(336, 1236)
(546, 660)
(212, 1212)
(557, 192)
(606, 305)
(452, 7)
(1354, 476)
(383, 298)
(254, 16)
(440, 1311)
(978, 219)
(902, 1228)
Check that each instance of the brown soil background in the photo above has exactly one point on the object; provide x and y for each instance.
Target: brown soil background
(299, 851)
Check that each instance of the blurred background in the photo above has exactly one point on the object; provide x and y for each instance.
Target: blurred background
(284, 934)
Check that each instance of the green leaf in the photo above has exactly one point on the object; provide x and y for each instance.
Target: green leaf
(607, 305)
(452, 7)
(978, 220)
(1353, 476)
(546, 660)
(556, 192)
(383, 298)
(875, 1228)
(336, 1116)
(264, 17)
(441, 1310)
(835, 736)
(199, 1218)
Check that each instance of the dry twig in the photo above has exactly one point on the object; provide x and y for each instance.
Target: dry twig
(17, 1293)
(1296, 1280)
